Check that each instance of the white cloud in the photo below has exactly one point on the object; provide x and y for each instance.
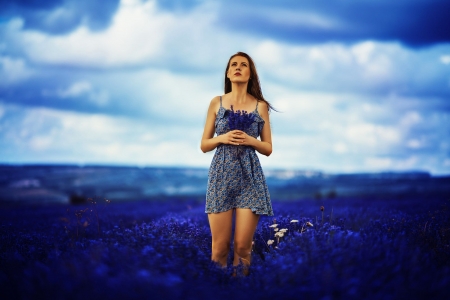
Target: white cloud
(445, 59)
(371, 135)
(378, 164)
(384, 163)
(57, 136)
(13, 70)
(80, 89)
(414, 144)
(305, 19)
(343, 107)
(75, 90)
(340, 147)
(446, 162)
(41, 143)
(367, 67)
(136, 35)
(410, 118)
(139, 34)
(351, 132)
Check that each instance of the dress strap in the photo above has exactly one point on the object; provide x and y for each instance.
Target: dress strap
(220, 101)
(257, 102)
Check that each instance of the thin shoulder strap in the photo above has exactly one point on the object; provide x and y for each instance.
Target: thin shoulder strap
(257, 102)
(220, 101)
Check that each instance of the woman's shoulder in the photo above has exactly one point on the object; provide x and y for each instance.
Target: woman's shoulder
(263, 109)
(262, 105)
(215, 103)
(215, 99)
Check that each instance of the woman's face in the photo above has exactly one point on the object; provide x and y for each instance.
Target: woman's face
(239, 69)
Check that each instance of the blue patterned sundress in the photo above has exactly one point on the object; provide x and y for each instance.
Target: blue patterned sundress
(235, 178)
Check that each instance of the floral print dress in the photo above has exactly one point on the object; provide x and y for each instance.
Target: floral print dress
(235, 178)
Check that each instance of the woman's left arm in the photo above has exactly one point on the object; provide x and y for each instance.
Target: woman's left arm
(263, 146)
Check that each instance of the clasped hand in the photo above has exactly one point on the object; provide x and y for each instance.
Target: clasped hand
(236, 137)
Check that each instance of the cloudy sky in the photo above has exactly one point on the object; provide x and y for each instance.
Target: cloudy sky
(361, 86)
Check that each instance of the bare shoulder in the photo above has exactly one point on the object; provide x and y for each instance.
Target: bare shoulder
(263, 105)
(215, 100)
(214, 105)
(263, 108)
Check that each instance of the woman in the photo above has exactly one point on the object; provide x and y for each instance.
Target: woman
(236, 181)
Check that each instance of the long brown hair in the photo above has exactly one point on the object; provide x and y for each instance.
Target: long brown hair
(253, 87)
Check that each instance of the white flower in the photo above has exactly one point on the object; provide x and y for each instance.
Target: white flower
(275, 229)
(283, 230)
(279, 234)
(274, 225)
(309, 224)
(294, 221)
(270, 242)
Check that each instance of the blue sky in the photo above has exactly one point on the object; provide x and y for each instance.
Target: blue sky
(361, 86)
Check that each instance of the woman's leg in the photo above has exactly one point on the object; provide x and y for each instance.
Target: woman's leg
(220, 224)
(246, 222)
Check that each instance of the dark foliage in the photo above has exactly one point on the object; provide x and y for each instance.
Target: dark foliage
(357, 249)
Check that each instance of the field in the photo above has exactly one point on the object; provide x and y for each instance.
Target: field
(358, 248)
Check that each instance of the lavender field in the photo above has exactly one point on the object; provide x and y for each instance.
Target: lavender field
(383, 245)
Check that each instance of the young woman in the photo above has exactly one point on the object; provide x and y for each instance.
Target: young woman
(236, 182)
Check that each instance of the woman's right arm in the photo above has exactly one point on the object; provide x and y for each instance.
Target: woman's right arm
(209, 142)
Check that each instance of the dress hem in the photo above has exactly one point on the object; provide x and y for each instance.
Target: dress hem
(255, 211)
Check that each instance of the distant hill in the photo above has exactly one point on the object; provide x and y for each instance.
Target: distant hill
(74, 184)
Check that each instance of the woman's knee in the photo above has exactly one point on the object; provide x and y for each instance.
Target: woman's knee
(220, 250)
(243, 249)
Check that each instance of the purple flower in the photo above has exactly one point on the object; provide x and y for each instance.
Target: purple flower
(240, 120)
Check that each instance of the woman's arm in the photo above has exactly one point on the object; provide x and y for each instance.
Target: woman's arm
(263, 146)
(209, 142)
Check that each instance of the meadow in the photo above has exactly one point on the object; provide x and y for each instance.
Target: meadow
(357, 248)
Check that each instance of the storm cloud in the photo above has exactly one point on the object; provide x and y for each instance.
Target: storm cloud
(360, 86)
(60, 16)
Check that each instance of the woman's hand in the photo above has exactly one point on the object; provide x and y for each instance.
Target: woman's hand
(234, 137)
(238, 138)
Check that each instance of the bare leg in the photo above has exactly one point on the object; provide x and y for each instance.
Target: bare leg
(220, 224)
(246, 222)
